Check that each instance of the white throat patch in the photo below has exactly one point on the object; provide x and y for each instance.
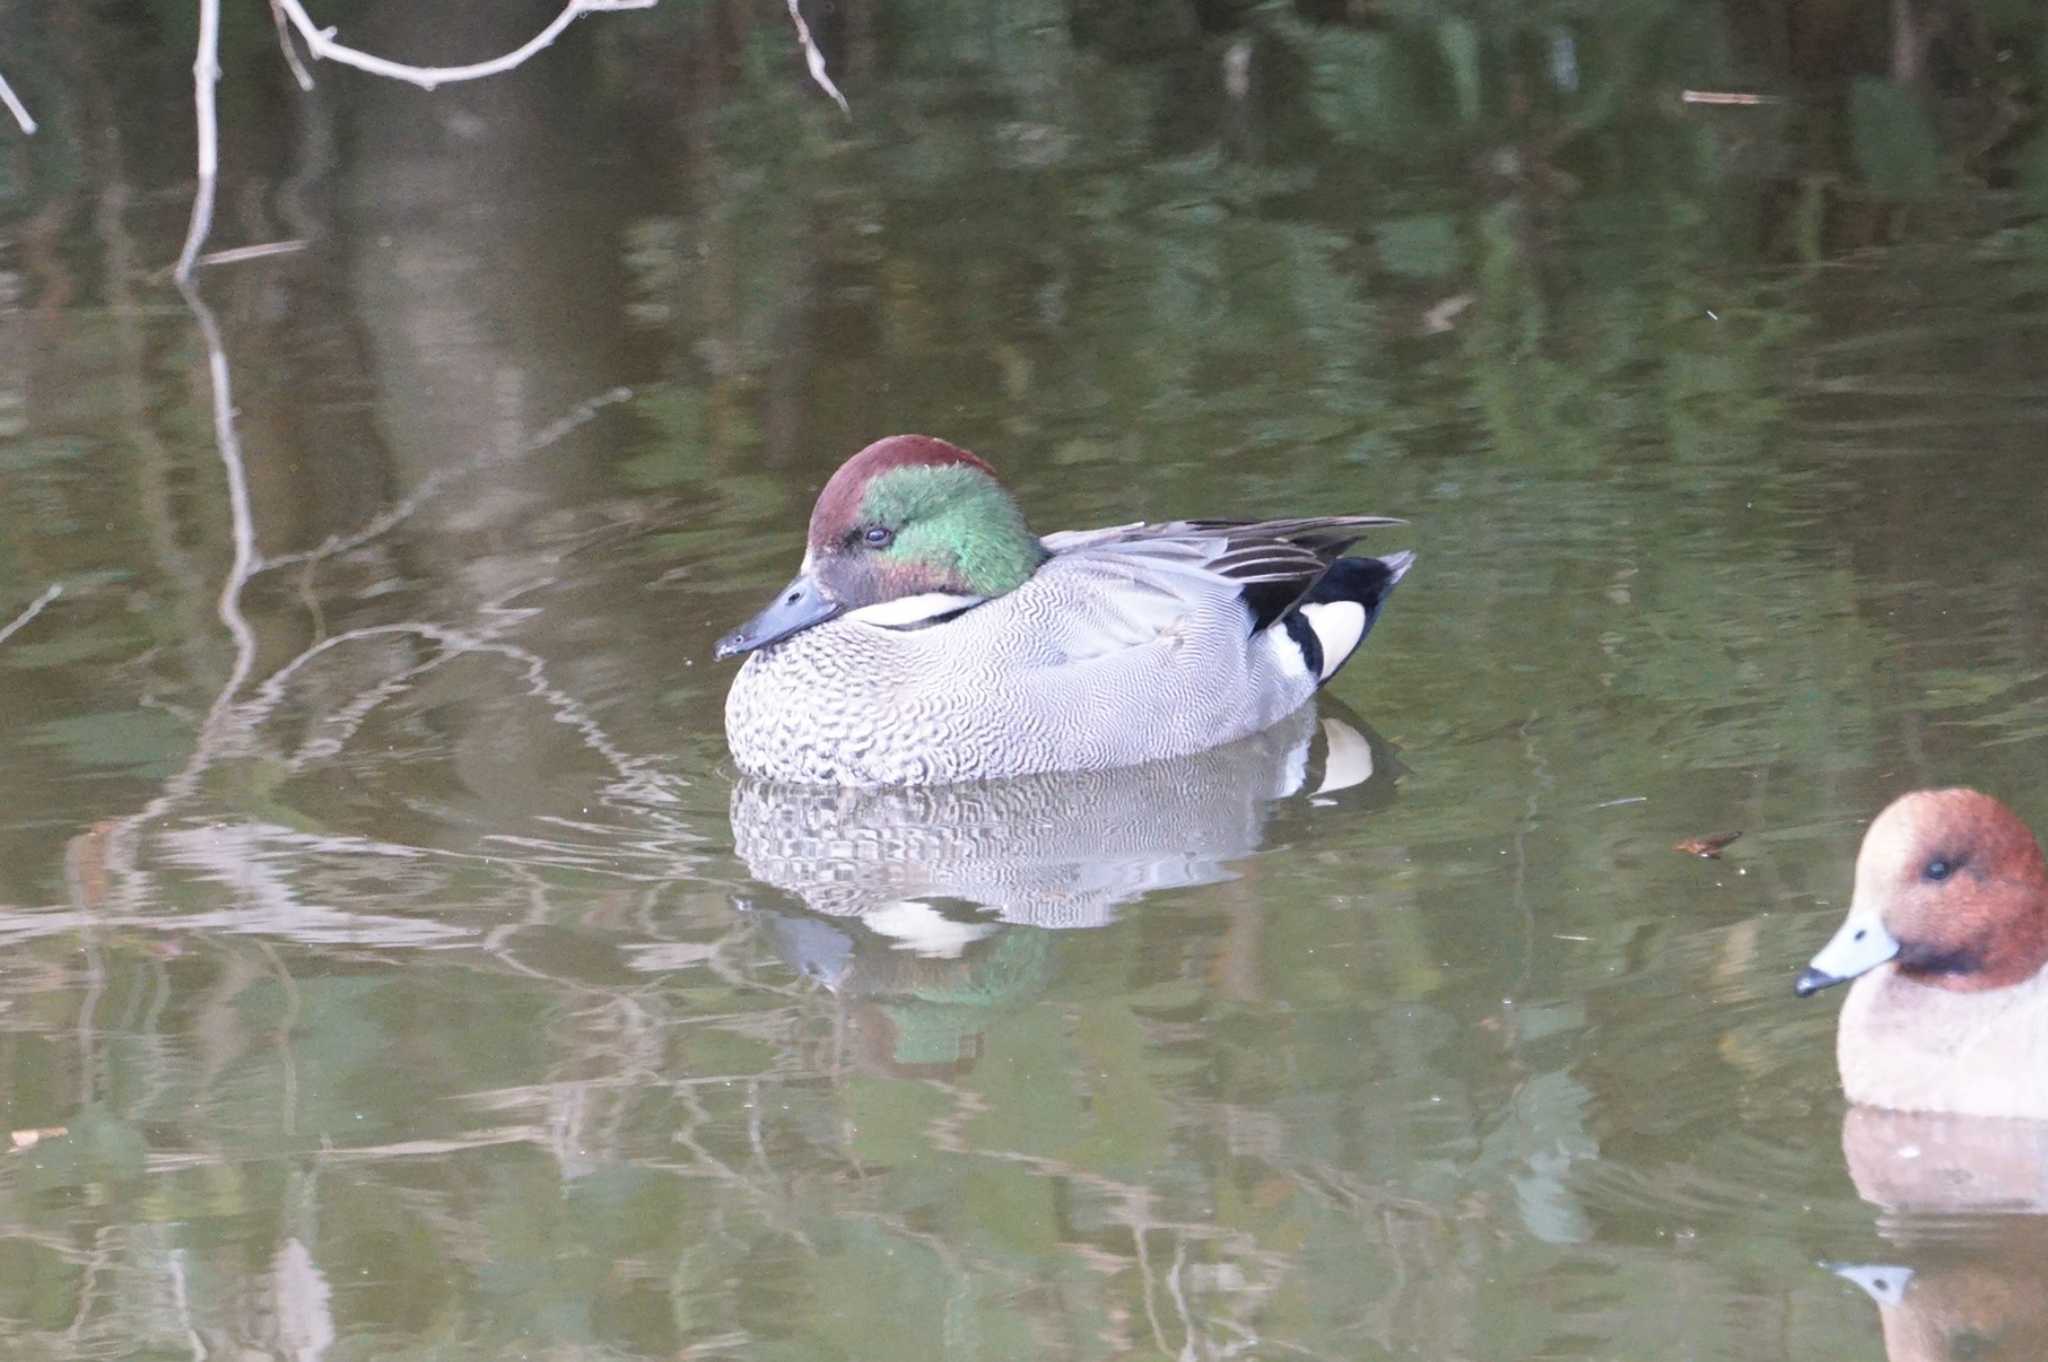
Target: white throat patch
(906, 612)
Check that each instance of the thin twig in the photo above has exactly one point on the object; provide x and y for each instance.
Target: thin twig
(205, 75)
(320, 42)
(291, 54)
(15, 107)
(50, 593)
(235, 255)
(1737, 98)
(815, 59)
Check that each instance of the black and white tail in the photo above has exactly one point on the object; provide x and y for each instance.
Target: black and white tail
(1338, 612)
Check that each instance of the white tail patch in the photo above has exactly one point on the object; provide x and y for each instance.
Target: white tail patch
(1338, 626)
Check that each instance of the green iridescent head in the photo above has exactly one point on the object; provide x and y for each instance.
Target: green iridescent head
(908, 517)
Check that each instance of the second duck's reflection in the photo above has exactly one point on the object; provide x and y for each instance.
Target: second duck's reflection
(935, 868)
(1964, 1202)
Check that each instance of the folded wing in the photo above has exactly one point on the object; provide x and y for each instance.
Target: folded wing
(1162, 572)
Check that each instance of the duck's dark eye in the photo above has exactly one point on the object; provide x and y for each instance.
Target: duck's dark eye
(879, 536)
(1938, 869)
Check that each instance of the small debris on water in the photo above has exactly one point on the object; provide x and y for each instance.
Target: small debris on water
(1706, 848)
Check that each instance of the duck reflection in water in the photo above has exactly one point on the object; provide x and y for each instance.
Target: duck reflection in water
(916, 896)
(1965, 1200)
(907, 1015)
(920, 900)
(1057, 851)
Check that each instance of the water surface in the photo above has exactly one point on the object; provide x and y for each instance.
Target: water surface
(396, 967)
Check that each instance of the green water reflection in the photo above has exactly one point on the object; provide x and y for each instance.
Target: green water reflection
(394, 967)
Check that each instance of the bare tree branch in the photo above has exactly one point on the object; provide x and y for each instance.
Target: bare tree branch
(51, 593)
(815, 59)
(320, 42)
(15, 107)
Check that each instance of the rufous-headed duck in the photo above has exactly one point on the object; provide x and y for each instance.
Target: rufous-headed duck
(1948, 931)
